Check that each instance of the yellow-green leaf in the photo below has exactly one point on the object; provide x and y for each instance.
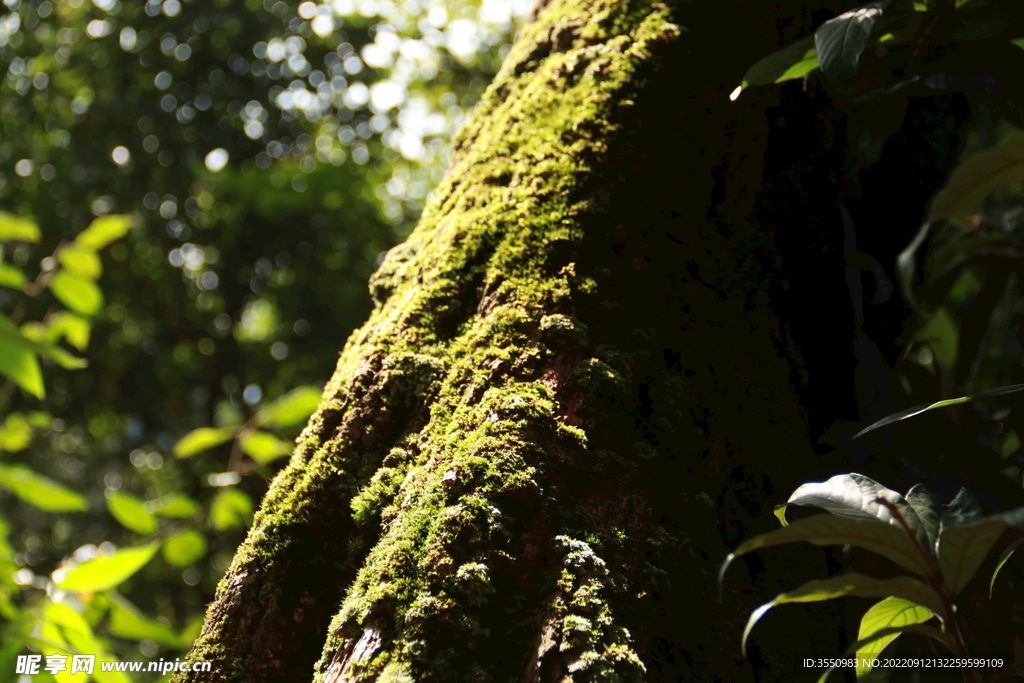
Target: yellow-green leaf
(199, 440)
(15, 433)
(854, 584)
(263, 447)
(792, 61)
(892, 612)
(22, 339)
(989, 170)
(41, 492)
(292, 408)
(919, 629)
(81, 262)
(17, 228)
(107, 572)
(231, 508)
(103, 231)
(11, 277)
(174, 505)
(131, 513)
(184, 548)
(70, 326)
(963, 548)
(17, 361)
(128, 621)
(77, 293)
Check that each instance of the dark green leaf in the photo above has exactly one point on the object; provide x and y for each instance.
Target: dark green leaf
(978, 176)
(859, 585)
(1003, 559)
(962, 549)
(841, 41)
(929, 511)
(924, 407)
(878, 537)
(963, 509)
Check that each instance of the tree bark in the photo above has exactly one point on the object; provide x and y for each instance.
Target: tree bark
(590, 371)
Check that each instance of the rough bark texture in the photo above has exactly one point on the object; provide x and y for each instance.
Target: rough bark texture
(580, 384)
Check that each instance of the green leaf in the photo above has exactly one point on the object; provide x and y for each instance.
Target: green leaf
(963, 509)
(127, 621)
(853, 584)
(15, 433)
(877, 537)
(81, 262)
(77, 293)
(69, 326)
(19, 229)
(920, 629)
(841, 41)
(929, 511)
(59, 355)
(184, 548)
(103, 231)
(1003, 559)
(890, 613)
(174, 505)
(979, 175)
(106, 572)
(17, 361)
(925, 407)
(41, 492)
(263, 447)
(11, 277)
(199, 440)
(962, 549)
(131, 513)
(231, 508)
(906, 263)
(855, 496)
(292, 408)
(793, 61)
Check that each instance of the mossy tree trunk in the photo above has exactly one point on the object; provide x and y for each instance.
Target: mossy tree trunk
(589, 372)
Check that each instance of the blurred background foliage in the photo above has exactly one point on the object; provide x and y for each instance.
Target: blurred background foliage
(193, 196)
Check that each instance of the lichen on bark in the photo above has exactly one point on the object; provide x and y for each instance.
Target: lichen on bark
(518, 472)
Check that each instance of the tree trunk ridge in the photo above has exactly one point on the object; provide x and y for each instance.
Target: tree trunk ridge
(574, 393)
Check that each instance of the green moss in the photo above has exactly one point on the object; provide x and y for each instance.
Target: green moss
(455, 446)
